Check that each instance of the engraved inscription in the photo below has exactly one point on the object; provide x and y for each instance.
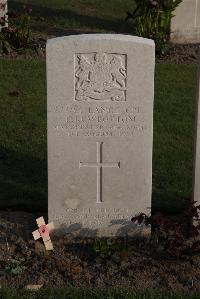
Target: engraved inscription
(99, 165)
(98, 217)
(108, 120)
(100, 77)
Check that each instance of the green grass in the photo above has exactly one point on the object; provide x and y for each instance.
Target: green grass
(23, 162)
(81, 15)
(72, 293)
(174, 114)
(23, 176)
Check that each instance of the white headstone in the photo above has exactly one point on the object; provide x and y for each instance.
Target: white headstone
(197, 148)
(185, 25)
(100, 132)
(3, 14)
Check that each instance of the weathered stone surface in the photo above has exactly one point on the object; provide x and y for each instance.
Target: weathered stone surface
(197, 148)
(3, 12)
(185, 25)
(100, 132)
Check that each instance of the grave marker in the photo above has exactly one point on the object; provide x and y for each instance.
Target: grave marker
(100, 131)
(185, 25)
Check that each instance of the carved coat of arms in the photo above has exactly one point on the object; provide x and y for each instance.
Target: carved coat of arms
(100, 76)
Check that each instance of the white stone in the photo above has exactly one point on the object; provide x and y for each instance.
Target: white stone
(197, 147)
(3, 13)
(185, 25)
(100, 132)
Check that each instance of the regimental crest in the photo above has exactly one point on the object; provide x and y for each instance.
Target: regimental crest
(100, 77)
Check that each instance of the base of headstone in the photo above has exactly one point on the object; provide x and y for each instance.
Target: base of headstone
(129, 230)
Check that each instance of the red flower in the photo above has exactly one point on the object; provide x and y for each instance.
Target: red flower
(44, 231)
(8, 29)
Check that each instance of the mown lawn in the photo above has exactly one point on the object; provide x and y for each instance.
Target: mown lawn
(23, 169)
(23, 162)
(72, 293)
(174, 114)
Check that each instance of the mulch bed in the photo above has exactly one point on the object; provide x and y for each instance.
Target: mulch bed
(74, 262)
(180, 54)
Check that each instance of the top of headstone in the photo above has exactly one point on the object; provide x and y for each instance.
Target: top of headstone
(102, 36)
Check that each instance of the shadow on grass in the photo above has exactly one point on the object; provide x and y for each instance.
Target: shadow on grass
(23, 181)
(69, 18)
(23, 186)
(168, 203)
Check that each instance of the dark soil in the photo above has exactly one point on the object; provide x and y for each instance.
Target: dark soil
(135, 265)
(180, 54)
(176, 53)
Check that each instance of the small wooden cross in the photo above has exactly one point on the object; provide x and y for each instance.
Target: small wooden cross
(43, 232)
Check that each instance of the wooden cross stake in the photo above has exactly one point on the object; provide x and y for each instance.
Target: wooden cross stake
(43, 232)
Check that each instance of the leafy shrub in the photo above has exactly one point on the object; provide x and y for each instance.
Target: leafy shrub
(105, 248)
(4, 44)
(177, 236)
(152, 19)
(18, 34)
(15, 267)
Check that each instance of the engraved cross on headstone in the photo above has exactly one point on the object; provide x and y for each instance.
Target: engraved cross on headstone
(99, 165)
